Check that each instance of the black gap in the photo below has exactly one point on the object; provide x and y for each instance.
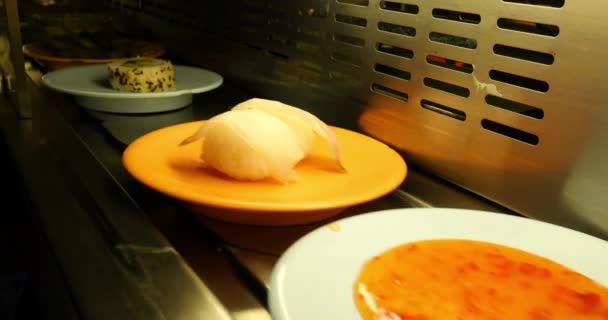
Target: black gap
(253, 46)
(231, 37)
(355, 41)
(364, 3)
(399, 7)
(357, 21)
(450, 64)
(278, 55)
(279, 20)
(255, 3)
(524, 54)
(510, 132)
(529, 27)
(394, 50)
(391, 93)
(398, 73)
(457, 16)
(278, 8)
(447, 87)
(279, 38)
(253, 18)
(544, 3)
(443, 110)
(338, 56)
(453, 40)
(395, 28)
(520, 81)
(245, 28)
(516, 107)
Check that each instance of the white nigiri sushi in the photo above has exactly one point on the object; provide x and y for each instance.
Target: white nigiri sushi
(261, 139)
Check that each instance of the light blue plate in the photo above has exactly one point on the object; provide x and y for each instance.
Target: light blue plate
(90, 86)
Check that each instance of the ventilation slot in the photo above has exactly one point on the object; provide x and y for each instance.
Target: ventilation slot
(450, 64)
(278, 8)
(398, 29)
(453, 40)
(245, 28)
(355, 41)
(529, 27)
(510, 132)
(457, 16)
(443, 110)
(397, 73)
(232, 37)
(309, 48)
(345, 79)
(524, 54)
(278, 55)
(253, 18)
(399, 7)
(338, 56)
(310, 77)
(356, 21)
(391, 93)
(279, 38)
(517, 107)
(447, 87)
(396, 51)
(254, 3)
(279, 19)
(253, 46)
(313, 13)
(310, 31)
(310, 65)
(363, 3)
(520, 81)
(544, 3)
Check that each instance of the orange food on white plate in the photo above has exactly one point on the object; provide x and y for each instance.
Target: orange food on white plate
(453, 279)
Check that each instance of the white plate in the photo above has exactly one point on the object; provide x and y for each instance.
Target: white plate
(89, 84)
(314, 278)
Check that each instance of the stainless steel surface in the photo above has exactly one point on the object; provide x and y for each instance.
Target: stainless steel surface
(204, 254)
(502, 98)
(141, 252)
(113, 260)
(20, 90)
(357, 64)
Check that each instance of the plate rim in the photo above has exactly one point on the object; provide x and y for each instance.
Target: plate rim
(253, 206)
(29, 49)
(279, 311)
(129, 95)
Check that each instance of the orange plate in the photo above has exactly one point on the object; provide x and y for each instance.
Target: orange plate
(374, 170)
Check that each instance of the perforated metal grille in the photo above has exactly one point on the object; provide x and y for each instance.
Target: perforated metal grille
(420, 53)
(483, 92)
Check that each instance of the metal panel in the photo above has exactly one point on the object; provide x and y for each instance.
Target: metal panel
(530, 132)
(13, 71)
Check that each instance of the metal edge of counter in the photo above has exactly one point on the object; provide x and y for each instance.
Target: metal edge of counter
(94, 190)
(108, 256)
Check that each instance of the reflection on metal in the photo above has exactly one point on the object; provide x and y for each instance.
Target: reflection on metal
(548, 58)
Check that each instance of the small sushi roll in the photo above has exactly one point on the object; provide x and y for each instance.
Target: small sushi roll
(142, 75)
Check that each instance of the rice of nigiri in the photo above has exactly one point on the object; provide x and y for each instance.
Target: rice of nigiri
(261, 139)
